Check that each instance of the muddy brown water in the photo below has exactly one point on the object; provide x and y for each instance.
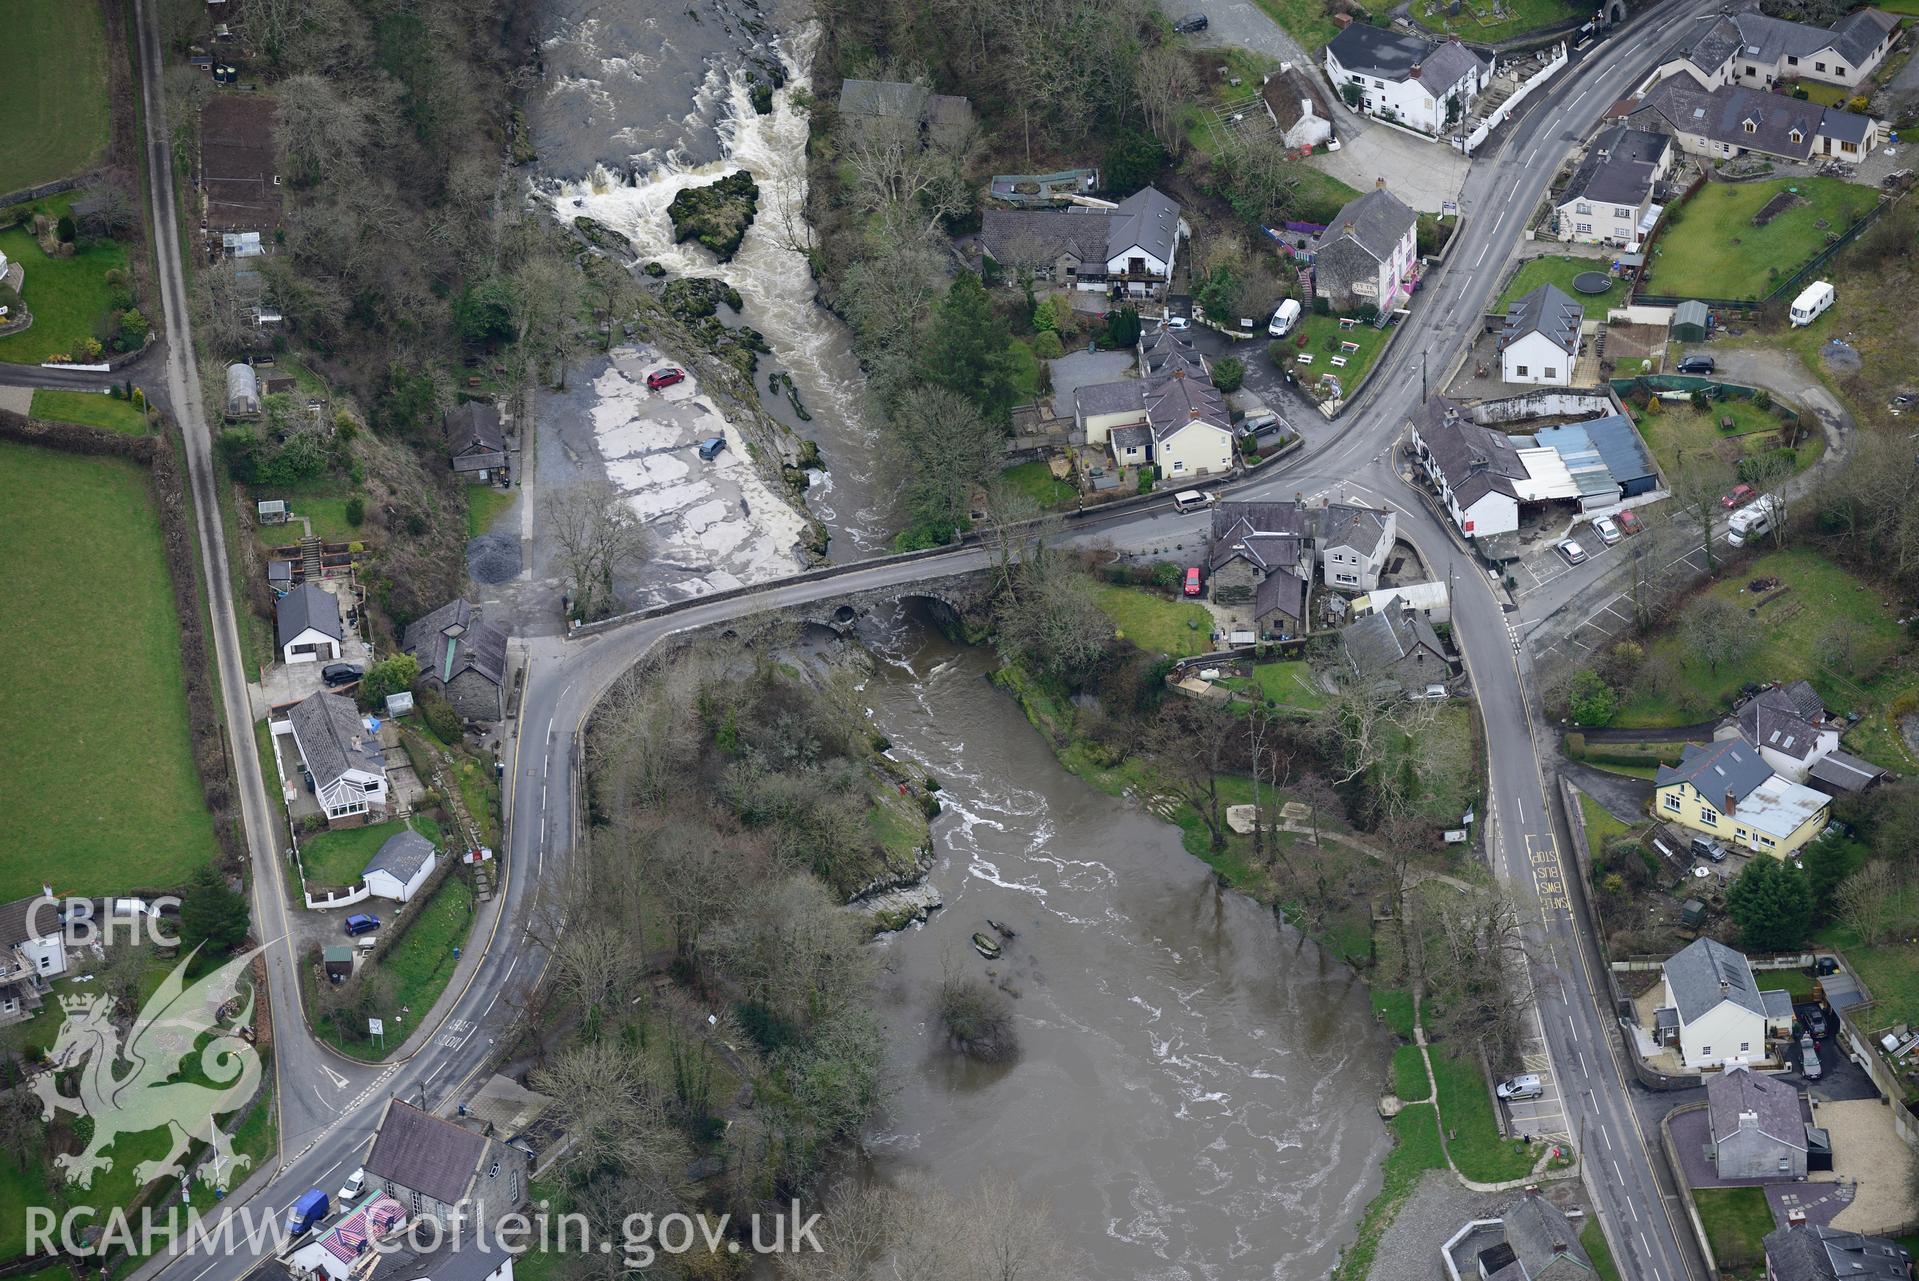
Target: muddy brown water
(1196, 1090)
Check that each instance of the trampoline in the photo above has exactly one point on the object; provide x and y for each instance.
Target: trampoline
(1592, 282)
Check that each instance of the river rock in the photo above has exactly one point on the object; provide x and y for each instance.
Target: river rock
(898, 908)
(716, 215)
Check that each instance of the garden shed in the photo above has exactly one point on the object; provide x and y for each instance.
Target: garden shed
(1690, 321)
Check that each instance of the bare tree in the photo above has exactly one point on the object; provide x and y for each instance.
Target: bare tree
(1196, 744)
(940, 453)
(599, 538)
(1871, 901)
(1166, 85)
(912, 179)
(1697, 483)
(1769, 472)
(1054, 624)
(1717, 631)
(1473, 956)
(319, 130)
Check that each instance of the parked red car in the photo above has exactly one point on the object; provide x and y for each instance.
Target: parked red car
(1192, 580)
(663, 378)
(1738, 496)
(1627, 521)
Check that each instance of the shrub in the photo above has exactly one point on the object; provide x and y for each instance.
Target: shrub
(1228, 373)
(1047, 345)
(978, 1020)
(439, 716)
(1593, 702)
(1277, 353)
(65, 230)
(355, 511)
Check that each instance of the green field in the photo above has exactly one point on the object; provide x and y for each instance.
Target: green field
(1710, 249)
(1323, 337)
(1477, 23)
(65, 295)
(1466, 1103)
(1736, 1221)
(1037, 482)
(1561, 271)
(1890, 972)
(1680, 431)
(1796, 630)
(338, 857)
(53, 115)
(91, 409)
(102, 792)
(323, 502)
(1156, 623)
(484, 503)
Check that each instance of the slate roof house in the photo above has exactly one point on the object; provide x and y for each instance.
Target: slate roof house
(1728, 791)
(1718, 1015)
(1173, 416)
(1353, 542)
(1609, 198)
(462, 656)
(1126, 250)
(1752, 48)
(1813, 1253)
(307, 626)
(1540, 1244)
(434, 1167)
(1397, 646)
(1735, 120)
(343, 759)
(1841, 773)
(400, 866)
(1540, 344)
(475, 441)
(1428, 85)
(33, 949)
(1758, 1126)
(1475, 469)
(1788, 725)
(1368, 252)
(1260, 553)
(938, 118)
(1297, 107)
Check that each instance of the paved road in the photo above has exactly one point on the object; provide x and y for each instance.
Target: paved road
(329, 1105)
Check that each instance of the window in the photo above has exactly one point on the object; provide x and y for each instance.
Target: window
(416, 1202)
(1818, 66)
(1179, 466)
(1752, 126)
(1345, 578)
(1739, 832)
(1797, 136)
(1744, 1046)
(493, 1171)
(1520, 372)
(1549, 372)
(1620, 211)
(1582, 207)
(1705, 1050)
(1767, 841)
(370, 787)
(1708, 817)
(1582, 227)
(513, 1188)
(1672, 801)
(1792, 60)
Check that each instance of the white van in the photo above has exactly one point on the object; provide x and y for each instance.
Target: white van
(1284, 318)
(1191, 500)
(1812, 303)
(1752, 520)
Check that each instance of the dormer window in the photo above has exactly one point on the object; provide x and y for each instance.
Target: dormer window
(1752, 126)
(1797, 136)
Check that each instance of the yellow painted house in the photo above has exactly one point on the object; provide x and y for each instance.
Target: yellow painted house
(1728, 791)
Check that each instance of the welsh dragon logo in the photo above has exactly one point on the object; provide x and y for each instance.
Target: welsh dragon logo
(180, 1068)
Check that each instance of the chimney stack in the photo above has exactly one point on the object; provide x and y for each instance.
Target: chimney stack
(1379, 183)
(1732, 803)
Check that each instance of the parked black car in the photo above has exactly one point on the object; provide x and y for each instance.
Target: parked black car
(337, 674)
(1697, 365)
(1816, 1022)
(1192, 22)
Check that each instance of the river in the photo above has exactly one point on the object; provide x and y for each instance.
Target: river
(1196, 1091)
(690, 91)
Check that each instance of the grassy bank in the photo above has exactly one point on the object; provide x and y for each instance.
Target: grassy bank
(53, 115)
(90, 409)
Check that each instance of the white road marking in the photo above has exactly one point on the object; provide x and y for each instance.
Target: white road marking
(1606, 1135)
(1634, 1208)
(1482, 255)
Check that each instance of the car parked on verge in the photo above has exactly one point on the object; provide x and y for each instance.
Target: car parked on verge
(661, 379)
(338, 674)
(1697, 365)
(710, 447)
(1192, 580)
(1607, 531)
(351, 1189)
(1572, 551)
(1519, 1088)
(1191, 23)
(1738, 496)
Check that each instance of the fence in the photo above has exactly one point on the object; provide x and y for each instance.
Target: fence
(44, 190)
(1786, 285)
(1474, 140)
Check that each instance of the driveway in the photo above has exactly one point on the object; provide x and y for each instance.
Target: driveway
(1082, 368)
(1423, 174)
(1622, 797)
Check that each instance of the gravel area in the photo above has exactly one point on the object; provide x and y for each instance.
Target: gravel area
(1438, 1208)
(493, 558)
(1866, 1150)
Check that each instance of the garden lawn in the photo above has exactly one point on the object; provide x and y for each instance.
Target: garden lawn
(1037, 482)
(1890, 972)
(1736, 1222)
(1560, 271)
(65, 295)
(1600, 826)
(1290, 684)
(484, 504)
(1712, 250)
(1026, 370)
(103, 796)
(1323, 338)
(1177, 628)
(420, 965)
(1466, 1109)
(1476, 23)
(53, 115)
(322, 502)
(91, 409)
(1444, 762)
(1795, 631)
(338, 857)
(1676, 431)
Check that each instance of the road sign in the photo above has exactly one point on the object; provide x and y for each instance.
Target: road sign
(375, 1027)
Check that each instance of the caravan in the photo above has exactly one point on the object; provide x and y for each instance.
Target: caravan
(1751, 522)
(1812, 303)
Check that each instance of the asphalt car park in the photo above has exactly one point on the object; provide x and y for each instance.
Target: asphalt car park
(1544, 1116)
(1610, 584)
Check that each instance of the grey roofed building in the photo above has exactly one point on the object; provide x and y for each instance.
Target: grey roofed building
(1709, 46)
(1359, 529)
(1772, 718)
(1165, 350)
(403, 855)
(1376, 221)
(1729, 765)
(1283, 594)
(1137, 436)
(455, 639)
(424, 1153)
(1378, 642)
(1175, 401)
(14, 917)
(1547, 311)
(1148, 219)
(1747, 119)
(1706, 972)
(1544, 1243)
(332, 740)
(475, 440)
(1619, 167)
(1758, 37)
(1123, 395)
(1379, 52)
(944, 116)
(1036, 238)
(1814, 1253)
(1693, 316)
(1774, 1105)
(1448, 64)
(1474, 459)
(306, 607)
(471, 1260)
(1840, 772)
